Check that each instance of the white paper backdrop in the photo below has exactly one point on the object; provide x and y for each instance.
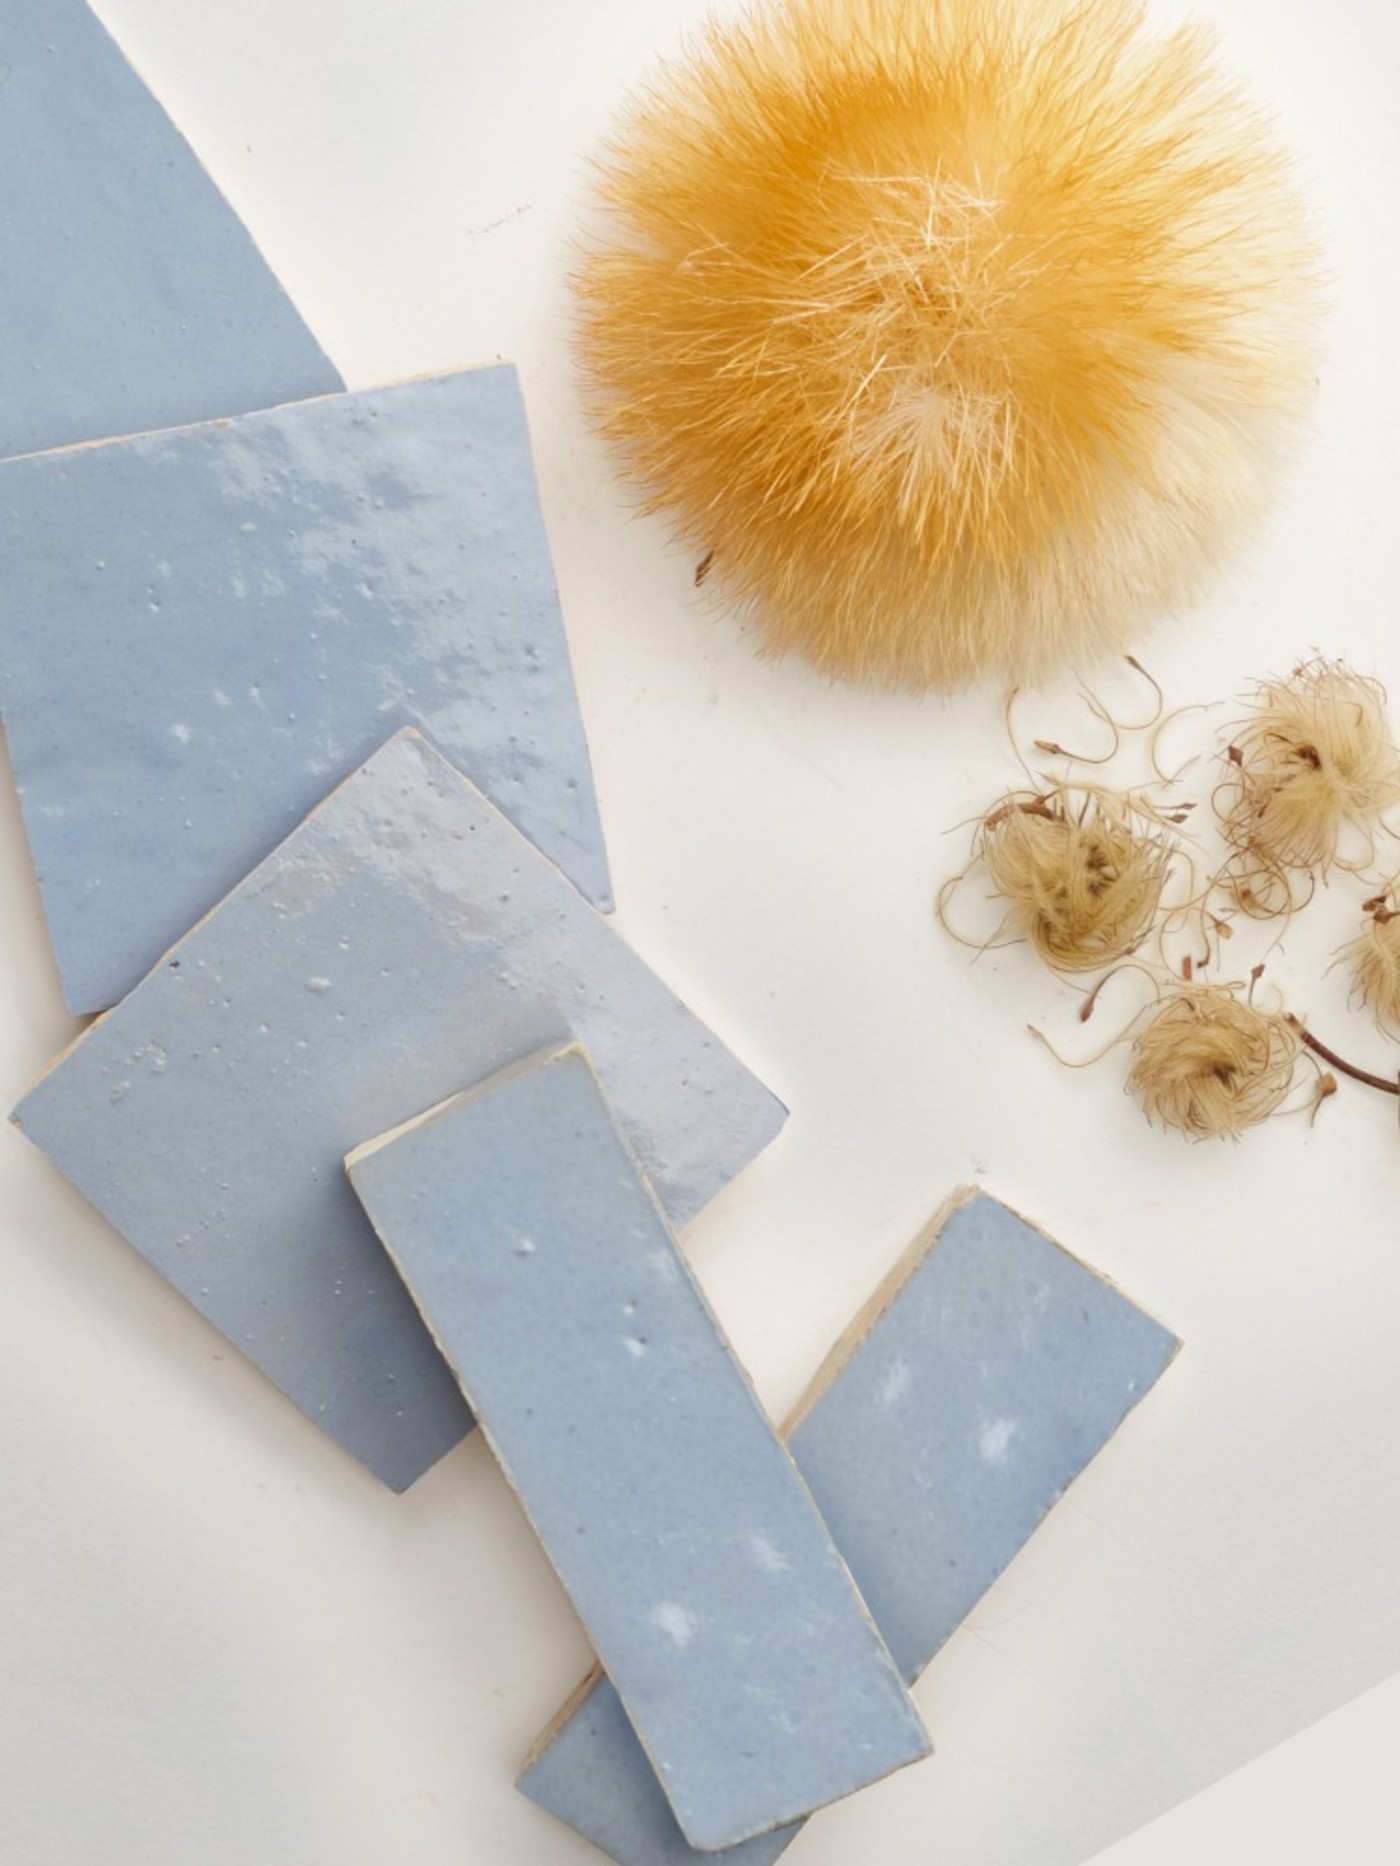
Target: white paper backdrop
(221, 1642)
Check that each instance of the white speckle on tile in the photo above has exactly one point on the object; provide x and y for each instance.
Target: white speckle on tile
(767, 1556)
(180, 732)
(318, 984)
(896, 1382)
(220, 697)
(664, 1265)
(636, 1347)
(994, 1440)
(677, 1624)
(525, 1247)
(120, 1090)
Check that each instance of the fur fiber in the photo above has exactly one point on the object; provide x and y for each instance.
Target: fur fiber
(963, 333)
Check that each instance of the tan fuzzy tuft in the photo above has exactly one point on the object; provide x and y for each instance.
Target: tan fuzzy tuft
(1080, 871)
(1375, 963)
(1210, 1064)
(1314, 760)
(963, 336)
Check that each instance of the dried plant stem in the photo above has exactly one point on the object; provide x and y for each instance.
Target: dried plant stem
(1319, 1048)
(1156, 715)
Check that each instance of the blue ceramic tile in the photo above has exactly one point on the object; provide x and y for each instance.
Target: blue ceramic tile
(747, 1662)
(987, 1374)
(405, 942)
(202, 631)
(131, 297)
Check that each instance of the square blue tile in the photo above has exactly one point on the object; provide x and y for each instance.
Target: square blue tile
(402, 944)
(202, 631)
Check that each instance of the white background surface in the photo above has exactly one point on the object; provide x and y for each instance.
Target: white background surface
(221, 1641)
(1328, 1794)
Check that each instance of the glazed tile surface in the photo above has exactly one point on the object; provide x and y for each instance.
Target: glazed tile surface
(132, 295)
(405, 942)
(995, 1369)
(748, 1664)
(203, 631)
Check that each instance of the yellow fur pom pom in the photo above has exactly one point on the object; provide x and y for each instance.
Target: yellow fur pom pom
(962, 333)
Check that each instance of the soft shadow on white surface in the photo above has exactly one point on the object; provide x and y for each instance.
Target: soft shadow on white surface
(1326, 1794)
(224, 1643)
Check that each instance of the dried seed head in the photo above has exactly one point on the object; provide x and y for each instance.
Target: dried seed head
(1210, 1064)
(1080, 870)
(1375, 964)
(1314, 760)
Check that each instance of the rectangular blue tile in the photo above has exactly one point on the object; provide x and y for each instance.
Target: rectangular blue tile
(747, 1662)
(982, 1379)
(131, 296)
(402, 944)
(202, 631)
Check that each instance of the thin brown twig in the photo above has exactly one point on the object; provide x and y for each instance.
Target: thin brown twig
(1348, 1069)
